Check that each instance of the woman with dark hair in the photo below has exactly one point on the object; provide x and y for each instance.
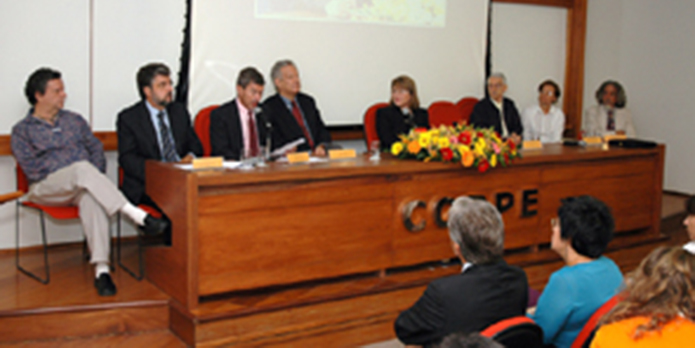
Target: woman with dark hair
(544, 121)
(658, 309)
(610, 115)
(689, 222)
(402, 115)
(581, 233)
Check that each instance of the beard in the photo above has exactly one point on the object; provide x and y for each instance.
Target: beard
(164, 101)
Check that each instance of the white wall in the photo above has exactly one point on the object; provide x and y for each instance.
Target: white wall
(650, 47)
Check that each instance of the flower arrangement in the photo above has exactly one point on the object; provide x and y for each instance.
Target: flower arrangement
(481, 148)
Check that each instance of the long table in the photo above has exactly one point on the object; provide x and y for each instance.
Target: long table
(284, 224)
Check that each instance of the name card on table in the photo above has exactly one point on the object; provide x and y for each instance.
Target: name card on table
(532, 145)
(593, 140)
(207, 162)
(298, 157)
(342, 154)
(610, 137)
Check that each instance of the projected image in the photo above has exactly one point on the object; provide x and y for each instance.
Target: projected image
(431, 13)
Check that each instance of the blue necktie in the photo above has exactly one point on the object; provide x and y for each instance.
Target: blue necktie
(168, 151)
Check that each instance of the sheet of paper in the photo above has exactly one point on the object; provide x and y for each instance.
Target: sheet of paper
(281, 151)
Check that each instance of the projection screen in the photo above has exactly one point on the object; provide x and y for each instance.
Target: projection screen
(347, 51)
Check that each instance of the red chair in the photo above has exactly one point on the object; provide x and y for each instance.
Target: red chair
(465, 106)
(443, 113)
(514, 332)
(150, 210)
(370, 123)
(202, 128)
(587, 334)
(58, 213)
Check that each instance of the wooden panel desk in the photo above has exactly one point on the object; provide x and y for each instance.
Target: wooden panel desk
(284, 224)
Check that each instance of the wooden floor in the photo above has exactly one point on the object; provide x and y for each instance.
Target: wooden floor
(138, 315)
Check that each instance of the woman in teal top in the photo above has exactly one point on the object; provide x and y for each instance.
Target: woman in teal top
(581, 233)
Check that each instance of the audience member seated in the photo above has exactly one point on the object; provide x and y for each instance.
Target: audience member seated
(610, 115)
(65, 165)
(486, 291)
(402, 115)
(237, 131)
(497, 111)
(544, 121)
(659, 305)
(473, 340)
(294, 114)
(689, 221)
(580, 235)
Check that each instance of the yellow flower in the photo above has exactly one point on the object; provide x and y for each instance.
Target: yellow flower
(396, 148)
(435, 140)
(493, 161)
(467, 158)
(424, 139)
(444, 142)
(480, 143)
(414, 147)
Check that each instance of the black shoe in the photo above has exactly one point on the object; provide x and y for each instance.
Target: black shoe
(104, 285)
(153, 226)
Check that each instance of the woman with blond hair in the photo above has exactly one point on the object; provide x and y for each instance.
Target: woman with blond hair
(659, 305)
(402, 115)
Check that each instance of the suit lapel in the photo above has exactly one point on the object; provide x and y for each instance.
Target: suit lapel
(236, 128)
(150, 135)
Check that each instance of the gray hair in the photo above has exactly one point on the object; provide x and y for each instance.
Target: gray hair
(472, 340)
(477, 227)
(497, 75)
(620, 98)
(275, 70)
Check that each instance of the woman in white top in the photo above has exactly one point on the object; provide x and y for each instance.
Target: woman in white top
(610, 115)
(544, 121)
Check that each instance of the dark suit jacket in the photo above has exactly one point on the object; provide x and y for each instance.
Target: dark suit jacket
(390, 122)
(486, 115)
(466, 302)
(137, 142)
(285, 127)
(226, 137)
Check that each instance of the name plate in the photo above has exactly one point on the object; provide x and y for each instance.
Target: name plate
(207, 162)
(342, 154)
(593, 140)
(532, 145)
(298, 157)
(608, 138)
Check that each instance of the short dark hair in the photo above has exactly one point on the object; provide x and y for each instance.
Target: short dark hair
(690, 205)
(587, 223)
(37, 82)
(146, 75)
(620, 97)
(248, 75)
(472, 340)
(550, 83)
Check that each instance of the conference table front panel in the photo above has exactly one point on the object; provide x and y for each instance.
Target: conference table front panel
(284, 224)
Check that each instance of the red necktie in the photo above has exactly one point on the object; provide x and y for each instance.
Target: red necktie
(300, 120)
(611, 121)
(253, 138)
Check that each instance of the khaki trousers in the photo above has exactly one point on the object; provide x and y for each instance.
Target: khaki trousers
(97, 197)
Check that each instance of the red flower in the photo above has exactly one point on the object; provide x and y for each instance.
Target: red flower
(483, 166)
(480, 134)
(465, 138)
(420, 130)
(447, 154)
(506, 158)
(512, 146)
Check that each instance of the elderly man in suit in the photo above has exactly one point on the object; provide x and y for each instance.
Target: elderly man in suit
(486, 291)
(153, 128)
(498, 112)
(294, 114)
(236, 128)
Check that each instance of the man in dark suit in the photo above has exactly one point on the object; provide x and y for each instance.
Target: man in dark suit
(294, 114)
(497, 111)
(153, 128)
(236, 130)
(486, 291)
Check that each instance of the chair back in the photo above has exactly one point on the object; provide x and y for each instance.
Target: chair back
(443, 113)
(465, 106)
(587, 334)
(22, 182)
(202, 128)
(370, 123)
(520, 331)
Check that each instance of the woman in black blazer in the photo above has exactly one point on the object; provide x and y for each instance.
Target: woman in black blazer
(402, 115)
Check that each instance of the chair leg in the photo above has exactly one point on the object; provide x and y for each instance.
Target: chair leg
(45, 249)
(141, 265)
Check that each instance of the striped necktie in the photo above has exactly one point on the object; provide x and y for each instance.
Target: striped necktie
(168, 151)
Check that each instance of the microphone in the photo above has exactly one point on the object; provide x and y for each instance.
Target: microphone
(258, 112)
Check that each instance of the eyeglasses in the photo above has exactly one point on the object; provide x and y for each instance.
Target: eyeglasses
(555, 222)
(495, 85)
